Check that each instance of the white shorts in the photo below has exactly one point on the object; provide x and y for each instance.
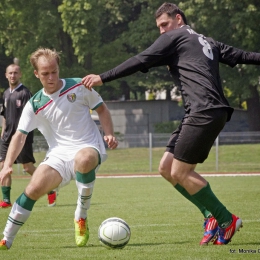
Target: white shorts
(64, 167)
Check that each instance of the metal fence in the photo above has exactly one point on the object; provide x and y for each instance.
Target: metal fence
(228, 147)
(160, 140)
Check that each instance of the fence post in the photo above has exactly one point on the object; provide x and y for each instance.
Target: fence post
(18, 168)
(150, 150)
(217, 144)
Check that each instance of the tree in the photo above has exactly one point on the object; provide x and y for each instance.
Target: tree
(225, 21)
(105, 33)
(100, 36)
(94, 36)
(26, 27)
(4, 62)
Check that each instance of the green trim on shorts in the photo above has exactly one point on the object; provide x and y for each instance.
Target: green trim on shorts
(99, 157)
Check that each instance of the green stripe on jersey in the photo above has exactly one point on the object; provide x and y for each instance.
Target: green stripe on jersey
(39, 100)
(69, 83)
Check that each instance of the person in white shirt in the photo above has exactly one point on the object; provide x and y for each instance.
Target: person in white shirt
(60, 111)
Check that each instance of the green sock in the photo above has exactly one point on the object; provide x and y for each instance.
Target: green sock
(25, 202)
(206, 197)
(6, 193)
(87, 177)
(203, 210)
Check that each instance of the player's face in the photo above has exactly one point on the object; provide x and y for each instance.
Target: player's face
(165, 23)
(48, 74)
(13, 75)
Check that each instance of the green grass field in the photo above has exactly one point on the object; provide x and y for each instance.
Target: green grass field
(163, 224)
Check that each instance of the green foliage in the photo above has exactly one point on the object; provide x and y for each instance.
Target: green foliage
(94, 36)
(24, 28)
(166, 127)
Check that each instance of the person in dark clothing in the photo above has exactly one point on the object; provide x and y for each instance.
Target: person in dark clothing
(193, 61)
(14, 100)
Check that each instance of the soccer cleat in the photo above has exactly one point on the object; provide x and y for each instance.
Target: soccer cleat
(5, 204)
(225, 234)
(52, 198)
(3, 245)
(81, 232)
(210, 230)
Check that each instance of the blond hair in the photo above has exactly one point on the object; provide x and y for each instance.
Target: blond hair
(47, 53)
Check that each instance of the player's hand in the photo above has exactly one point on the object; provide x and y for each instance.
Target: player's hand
(111, 141)
(91, 80)
(4, 173)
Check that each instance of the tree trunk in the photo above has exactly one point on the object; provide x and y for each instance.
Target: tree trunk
(168, 94)
(88, 61)
(125, 90)
(253, 109)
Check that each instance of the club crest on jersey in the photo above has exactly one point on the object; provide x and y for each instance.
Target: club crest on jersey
(18, 103)
(71, 97)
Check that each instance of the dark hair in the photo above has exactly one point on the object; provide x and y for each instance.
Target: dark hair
(13, 65)
(171, 10)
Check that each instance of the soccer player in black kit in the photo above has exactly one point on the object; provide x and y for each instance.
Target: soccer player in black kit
(193, 61)
(15, 98)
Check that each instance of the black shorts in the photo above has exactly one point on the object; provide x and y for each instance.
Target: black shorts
(193, 139)
(26, 155)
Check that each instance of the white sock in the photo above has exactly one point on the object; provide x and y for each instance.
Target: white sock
(85, 191)
(16, 219)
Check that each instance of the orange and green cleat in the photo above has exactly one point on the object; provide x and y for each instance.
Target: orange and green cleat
(81, 232)
(3, 245)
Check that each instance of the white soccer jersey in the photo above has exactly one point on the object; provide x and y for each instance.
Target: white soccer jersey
(64, 119)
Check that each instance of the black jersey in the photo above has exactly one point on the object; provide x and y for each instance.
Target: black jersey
(193, 61)
(12, 109)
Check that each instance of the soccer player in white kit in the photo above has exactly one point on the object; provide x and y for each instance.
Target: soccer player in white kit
(60, 110)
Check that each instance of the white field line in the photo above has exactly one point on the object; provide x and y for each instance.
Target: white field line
(157, 175)
(118, 176)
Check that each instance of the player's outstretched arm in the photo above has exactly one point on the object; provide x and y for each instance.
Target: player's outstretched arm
(91, 80)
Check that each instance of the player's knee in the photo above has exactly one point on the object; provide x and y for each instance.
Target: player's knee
(178, 175)
(81, 161)
(29, 168)
(175, 175)
(33, 192)
(164, 171)
(86, 161)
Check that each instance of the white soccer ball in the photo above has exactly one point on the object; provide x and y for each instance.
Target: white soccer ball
(114, 233)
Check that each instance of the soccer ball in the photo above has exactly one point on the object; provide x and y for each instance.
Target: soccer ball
(114, 233)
